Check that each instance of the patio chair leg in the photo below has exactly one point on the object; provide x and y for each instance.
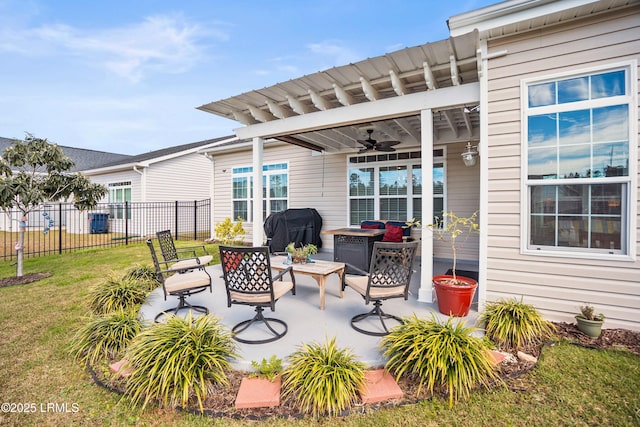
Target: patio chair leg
(259, 318)
(381, 315)
(182, 305)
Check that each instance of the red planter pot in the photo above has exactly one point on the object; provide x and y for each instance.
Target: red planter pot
(454, 300)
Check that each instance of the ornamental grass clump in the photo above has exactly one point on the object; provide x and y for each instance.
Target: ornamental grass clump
(105, 336)
(512, 324)
(175, 361)
(145, 274)
(439, 354)
(117, 293)
(323, 379)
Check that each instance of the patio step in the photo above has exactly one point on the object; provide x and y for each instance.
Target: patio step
(258, 393)
(379, 386)
(120, 369)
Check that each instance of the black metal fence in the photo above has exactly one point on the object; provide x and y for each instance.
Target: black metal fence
(60, 227)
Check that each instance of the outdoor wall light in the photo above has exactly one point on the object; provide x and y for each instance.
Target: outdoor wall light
(470, 155)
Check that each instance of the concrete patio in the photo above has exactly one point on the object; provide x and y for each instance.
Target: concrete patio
(306, 322)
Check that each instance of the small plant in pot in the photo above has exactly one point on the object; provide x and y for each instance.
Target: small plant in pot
(589, 322)
(301, 255)
(454, 293)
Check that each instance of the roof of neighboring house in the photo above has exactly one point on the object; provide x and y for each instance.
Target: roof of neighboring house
(87, 160)
(168, 151)
(157, 155)
(82, 157)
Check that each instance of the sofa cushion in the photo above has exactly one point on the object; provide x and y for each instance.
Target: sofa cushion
(375, 225)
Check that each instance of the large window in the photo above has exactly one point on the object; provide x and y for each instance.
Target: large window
(577, 167)
(389, 186)
(119, 193)
(275, 190)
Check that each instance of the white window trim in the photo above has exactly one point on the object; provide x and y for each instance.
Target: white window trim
(409, 196)
(632, 180)
(118, 206)
(265, 174)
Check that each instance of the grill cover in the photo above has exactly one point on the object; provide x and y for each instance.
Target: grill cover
(300, 226)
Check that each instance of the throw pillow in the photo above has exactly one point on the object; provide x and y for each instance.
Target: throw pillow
(393, 234)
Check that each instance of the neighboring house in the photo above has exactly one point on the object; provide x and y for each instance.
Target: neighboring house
(179, 173)
(83, 159)
(546, 90)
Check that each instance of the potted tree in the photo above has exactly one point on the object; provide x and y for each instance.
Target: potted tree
(589, 322)
(454, 293)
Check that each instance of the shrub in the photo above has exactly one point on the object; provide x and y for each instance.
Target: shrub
(115, 294)
(268, 369)
(105, 336)
(143, 273)
(323, 378)
(174, 360)
(511, 324)
(439, 354)
(229, 233)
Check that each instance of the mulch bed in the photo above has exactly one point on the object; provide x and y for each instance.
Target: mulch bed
(221, 399)
(22, 280)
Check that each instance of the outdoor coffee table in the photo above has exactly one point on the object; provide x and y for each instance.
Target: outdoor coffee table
(318, 270)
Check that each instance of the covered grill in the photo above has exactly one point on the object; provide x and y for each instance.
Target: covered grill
(300, 226)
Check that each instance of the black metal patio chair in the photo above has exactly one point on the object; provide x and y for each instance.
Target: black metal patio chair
(180, 282)
(186, 256)
(249, 281)
(389, 277)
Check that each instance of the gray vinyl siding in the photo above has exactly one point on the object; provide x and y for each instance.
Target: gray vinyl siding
(320, 182)
(556, 286)
(462, 198)
(123, 176)
(182, 178)
(315, 181)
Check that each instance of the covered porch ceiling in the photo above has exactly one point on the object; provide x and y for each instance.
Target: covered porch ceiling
(330, 110)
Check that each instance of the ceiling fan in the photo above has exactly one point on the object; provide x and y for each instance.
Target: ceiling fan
(372, 144)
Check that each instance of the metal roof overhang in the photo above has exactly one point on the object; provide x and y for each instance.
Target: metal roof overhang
(329, 110)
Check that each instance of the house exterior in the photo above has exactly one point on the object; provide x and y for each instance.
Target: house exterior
(545, 91)
(178, 173)
(561, 206)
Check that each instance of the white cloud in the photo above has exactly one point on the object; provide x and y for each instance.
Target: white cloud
(332, 49)
(158, 44)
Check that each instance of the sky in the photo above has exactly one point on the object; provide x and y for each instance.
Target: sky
(126, 76)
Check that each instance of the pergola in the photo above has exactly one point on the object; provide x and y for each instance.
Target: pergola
(421, 96)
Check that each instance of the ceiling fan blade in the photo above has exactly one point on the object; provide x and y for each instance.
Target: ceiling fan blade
(367, 143)
(364, 150)
(384, 148)
(388, 143)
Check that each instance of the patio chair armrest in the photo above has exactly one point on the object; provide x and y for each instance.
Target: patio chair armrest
(282, 273)
(194, 248)
(357, 269)
(195, 265)
(191, 252)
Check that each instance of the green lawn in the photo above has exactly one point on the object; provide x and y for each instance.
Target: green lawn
(570, 386)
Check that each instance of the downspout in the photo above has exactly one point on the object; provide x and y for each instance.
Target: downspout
(143, 194)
